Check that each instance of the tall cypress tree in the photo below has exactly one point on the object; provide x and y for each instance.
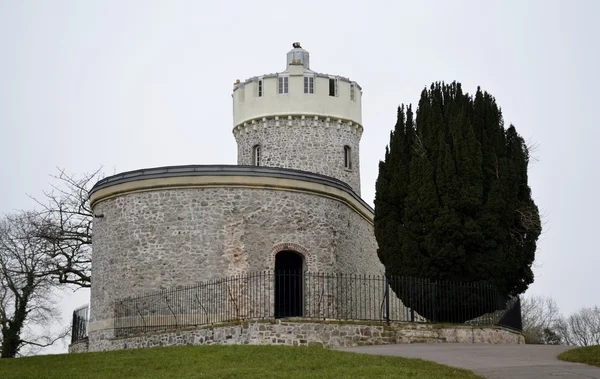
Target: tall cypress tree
(452, 200)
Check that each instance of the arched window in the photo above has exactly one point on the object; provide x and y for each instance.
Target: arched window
(256, 155)
(347, 157)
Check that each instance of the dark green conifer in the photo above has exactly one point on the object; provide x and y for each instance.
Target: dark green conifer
(452, 200)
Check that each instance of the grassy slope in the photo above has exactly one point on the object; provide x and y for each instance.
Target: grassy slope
(589, 355)
(247, 362)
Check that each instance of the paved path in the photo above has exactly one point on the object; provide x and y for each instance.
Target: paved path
(492, 361)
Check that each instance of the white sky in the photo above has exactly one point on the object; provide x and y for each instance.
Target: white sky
(135, 84)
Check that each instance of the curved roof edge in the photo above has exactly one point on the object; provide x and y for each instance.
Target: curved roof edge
(224, 170)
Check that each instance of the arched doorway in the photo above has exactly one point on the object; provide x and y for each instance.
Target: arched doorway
(289, 299)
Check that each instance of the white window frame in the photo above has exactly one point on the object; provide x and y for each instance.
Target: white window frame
(256, 155)
(309, 84)
(335, 87)
(283, 85)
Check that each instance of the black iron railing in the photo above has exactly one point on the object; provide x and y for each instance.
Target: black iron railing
(511, 318)
(79, 326)
(310, 295)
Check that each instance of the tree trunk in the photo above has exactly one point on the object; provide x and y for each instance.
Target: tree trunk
(11, 333)
(10, 342)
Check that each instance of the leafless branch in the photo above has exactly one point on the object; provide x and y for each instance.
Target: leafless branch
(540, 316)
(582, 328)
(532, 147)
(65, 222)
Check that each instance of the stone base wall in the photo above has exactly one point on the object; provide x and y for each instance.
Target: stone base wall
(308, 333)
(79, 347)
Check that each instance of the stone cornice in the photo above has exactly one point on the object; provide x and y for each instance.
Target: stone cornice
(205, 176)
(284, 120)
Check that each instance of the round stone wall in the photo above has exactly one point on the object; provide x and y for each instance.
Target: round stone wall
(154, 231)
(313, 144)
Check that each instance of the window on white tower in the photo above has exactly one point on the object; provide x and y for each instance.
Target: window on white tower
(309, 84)
(333, 87)
(283, 84)
(347, 157)
(260, 88)
(352, 92)
(256, 155)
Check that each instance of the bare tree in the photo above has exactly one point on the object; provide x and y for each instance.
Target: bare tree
(65, 222)
(581, 328)
(540, 317)
(27, 309)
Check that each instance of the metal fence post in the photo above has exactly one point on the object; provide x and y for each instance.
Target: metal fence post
(433, 302)
(411, 300)
(74, 330)
(387, 301)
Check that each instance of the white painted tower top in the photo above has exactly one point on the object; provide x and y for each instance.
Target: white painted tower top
(297, 91)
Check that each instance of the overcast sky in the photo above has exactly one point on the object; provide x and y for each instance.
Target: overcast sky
(135, 84)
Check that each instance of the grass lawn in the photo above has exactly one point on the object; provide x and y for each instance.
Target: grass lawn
(247, 362)
(589, 355)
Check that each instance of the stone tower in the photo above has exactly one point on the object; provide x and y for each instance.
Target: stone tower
(292, 203)
(300, 119)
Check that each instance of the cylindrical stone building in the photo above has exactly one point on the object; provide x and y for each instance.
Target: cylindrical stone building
(292, 202)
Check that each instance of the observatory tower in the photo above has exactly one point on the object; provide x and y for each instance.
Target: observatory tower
(300, 119)
(291, 204)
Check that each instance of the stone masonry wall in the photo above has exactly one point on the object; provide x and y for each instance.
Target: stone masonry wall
(326, 334)
(307, 144)
(149, 241)
(79, 347)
